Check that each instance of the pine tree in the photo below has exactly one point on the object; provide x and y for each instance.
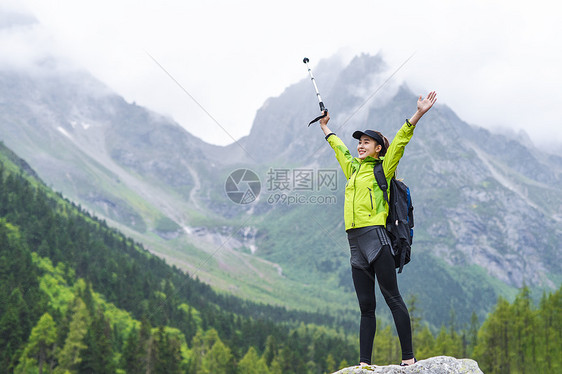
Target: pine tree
(168, 358)
(39, 350)
(218, 360)
(133, 355)
(448, 343)
(522, 337)
(415, 319)
(492, 350)
(13, 329)
(271, 349)
(424, 344)
(276, 367)
(187, 323)
(146, 345)
(198, 350)
(21, 301)
(251, 363)
(330, 364)
(343, 364)
(293, 354)
(472, 333)
(97, 357)
(386, 348)
(455, 341)
(442, 342)
(69, 357)
(549, 335)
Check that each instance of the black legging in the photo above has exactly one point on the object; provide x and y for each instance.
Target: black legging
(364, 282)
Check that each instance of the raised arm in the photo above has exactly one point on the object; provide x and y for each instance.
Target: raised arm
(403, 136)
(344, 157)
(324, 124)
(423, 106)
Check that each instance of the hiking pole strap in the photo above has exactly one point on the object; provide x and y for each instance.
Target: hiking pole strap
(324, 114)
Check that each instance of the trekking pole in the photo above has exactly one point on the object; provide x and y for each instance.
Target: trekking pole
(322, 108)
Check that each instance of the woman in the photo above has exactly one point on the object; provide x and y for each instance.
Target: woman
(365, 213)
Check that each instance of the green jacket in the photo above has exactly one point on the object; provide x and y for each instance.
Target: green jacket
(364, 201)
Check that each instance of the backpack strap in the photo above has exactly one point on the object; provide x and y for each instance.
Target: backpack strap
(381, 179)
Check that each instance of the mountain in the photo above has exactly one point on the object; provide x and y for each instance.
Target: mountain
(140, 171)
(70, 120)
(487, 205)
(485, 202)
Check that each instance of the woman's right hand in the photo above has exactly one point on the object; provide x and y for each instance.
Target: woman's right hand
(324, 120)
(324, 124)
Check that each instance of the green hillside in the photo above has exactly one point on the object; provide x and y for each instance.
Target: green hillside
(80, 294)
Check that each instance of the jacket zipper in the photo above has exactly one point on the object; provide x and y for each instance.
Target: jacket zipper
(371, 197)
(354, 192)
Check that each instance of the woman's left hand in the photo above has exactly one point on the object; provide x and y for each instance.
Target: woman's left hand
(425, 104)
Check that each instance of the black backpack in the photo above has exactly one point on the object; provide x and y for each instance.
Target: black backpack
(400, 221)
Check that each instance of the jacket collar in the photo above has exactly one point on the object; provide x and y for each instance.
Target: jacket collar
(370, 160)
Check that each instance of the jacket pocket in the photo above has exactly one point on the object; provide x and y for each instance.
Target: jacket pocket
(371, 197)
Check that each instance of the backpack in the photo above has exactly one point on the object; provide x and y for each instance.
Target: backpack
(400, 221)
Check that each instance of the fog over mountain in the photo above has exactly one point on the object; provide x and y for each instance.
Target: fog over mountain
(496, 75)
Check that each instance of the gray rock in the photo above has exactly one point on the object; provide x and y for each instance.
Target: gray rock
(434, 365)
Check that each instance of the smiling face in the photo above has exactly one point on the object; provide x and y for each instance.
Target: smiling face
(368, 147)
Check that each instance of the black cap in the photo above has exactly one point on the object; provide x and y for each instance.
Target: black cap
(370, 133)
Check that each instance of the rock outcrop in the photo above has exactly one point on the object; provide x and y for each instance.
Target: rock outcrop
(434, 365)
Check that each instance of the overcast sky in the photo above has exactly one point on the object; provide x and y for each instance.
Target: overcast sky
(495, 63)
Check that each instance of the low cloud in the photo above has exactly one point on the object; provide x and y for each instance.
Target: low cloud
(496, 64)
(27, 46)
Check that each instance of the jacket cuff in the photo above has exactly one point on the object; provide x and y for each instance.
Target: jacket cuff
(409, 124)
(330, 134)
